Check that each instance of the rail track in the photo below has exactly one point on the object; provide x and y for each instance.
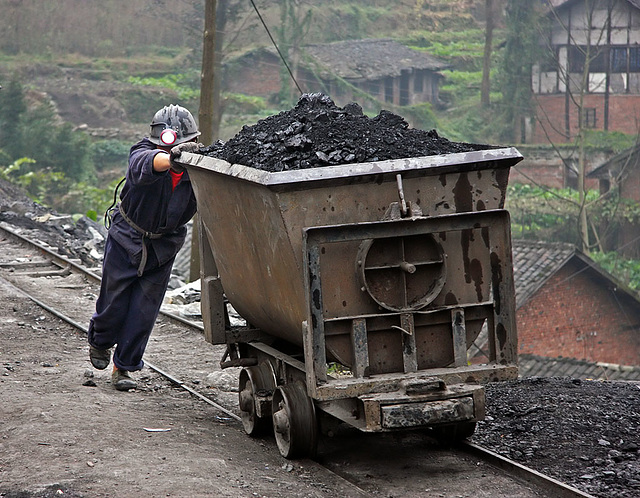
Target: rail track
(361, 461)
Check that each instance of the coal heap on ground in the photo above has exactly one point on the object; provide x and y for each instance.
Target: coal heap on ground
(318, 133)
(81, 239)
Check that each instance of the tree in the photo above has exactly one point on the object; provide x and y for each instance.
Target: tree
(575, 44)
(12, 109)
(36, 133)
(294, 26)
(486, 60)
(208, 75)
(521, 50)
(586, 42)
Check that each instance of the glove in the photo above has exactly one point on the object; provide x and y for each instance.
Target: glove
(179, 149)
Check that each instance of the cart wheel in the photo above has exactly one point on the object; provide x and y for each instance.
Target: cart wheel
(294, 421)
(253, 381)
(454, 432)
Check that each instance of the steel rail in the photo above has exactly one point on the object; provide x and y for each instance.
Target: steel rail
(531, 476)
(63, 261)
(558, 488)
(356, 490)
(163, 373)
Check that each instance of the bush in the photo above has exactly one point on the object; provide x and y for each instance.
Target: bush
(109, 152)
(625, 270)
(421, 116)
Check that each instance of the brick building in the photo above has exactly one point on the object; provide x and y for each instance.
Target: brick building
(376, 70)
(544, 165)
(568, 307)
(603, 43)
(622, 172)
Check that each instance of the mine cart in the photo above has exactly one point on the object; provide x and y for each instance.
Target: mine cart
(378, 293)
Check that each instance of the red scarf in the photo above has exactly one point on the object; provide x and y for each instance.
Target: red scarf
(175, 178)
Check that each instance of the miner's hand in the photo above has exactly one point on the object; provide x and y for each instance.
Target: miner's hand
(179, 149)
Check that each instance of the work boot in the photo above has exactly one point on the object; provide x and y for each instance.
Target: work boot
(99, 357)
(121, 380)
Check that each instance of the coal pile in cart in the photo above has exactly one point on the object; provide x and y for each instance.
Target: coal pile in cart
(316, 133)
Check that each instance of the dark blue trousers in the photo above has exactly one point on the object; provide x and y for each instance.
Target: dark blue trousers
(128, 305)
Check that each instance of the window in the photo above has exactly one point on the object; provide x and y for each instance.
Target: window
(388, 89)
(404, 87)
(618, 59)
(549, 61)
(590, 117)
(374, 87)
(598, 60)
(570, 175)
(576, 59)
(634, 59)
(418, 81)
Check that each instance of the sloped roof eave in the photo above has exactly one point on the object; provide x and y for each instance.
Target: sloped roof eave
(526, 297)
(588, 264)
(371, 58)
(600, 171)
(567, 3)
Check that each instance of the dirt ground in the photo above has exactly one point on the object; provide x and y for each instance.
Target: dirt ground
(64, 431)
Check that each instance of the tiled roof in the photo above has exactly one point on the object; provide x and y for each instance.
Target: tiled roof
(538, 366)
(564, 3)
(371, 58)
(534, 262)
(627, 160)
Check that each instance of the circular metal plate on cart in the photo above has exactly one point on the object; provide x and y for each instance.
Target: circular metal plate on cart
(402, 273)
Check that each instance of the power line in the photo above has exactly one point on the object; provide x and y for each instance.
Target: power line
(276, 46)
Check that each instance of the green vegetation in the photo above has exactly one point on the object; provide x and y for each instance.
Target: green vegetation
(625, 270)
(36, 133)
(551, 214)
(463, 49)
(55, 165)
(186, 86)
(614, 141)
(109, 153)
(113, 42)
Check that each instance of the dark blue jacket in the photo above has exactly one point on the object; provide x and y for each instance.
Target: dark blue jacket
(148, 201)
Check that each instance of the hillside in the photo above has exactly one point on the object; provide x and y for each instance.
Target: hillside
(81, 55)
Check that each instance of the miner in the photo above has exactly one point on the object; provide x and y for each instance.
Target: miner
(147, 228)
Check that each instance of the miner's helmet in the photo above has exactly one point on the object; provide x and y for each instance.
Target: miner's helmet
(173, 125)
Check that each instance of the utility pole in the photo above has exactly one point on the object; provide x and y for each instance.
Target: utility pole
(205, 117)
(205, 114)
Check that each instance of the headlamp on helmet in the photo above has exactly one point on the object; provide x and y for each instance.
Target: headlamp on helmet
(168, 136)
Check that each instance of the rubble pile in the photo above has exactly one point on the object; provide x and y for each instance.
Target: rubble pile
(80, 239)
(318, 133)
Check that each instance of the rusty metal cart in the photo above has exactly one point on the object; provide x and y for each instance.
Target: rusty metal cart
(364, 287)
